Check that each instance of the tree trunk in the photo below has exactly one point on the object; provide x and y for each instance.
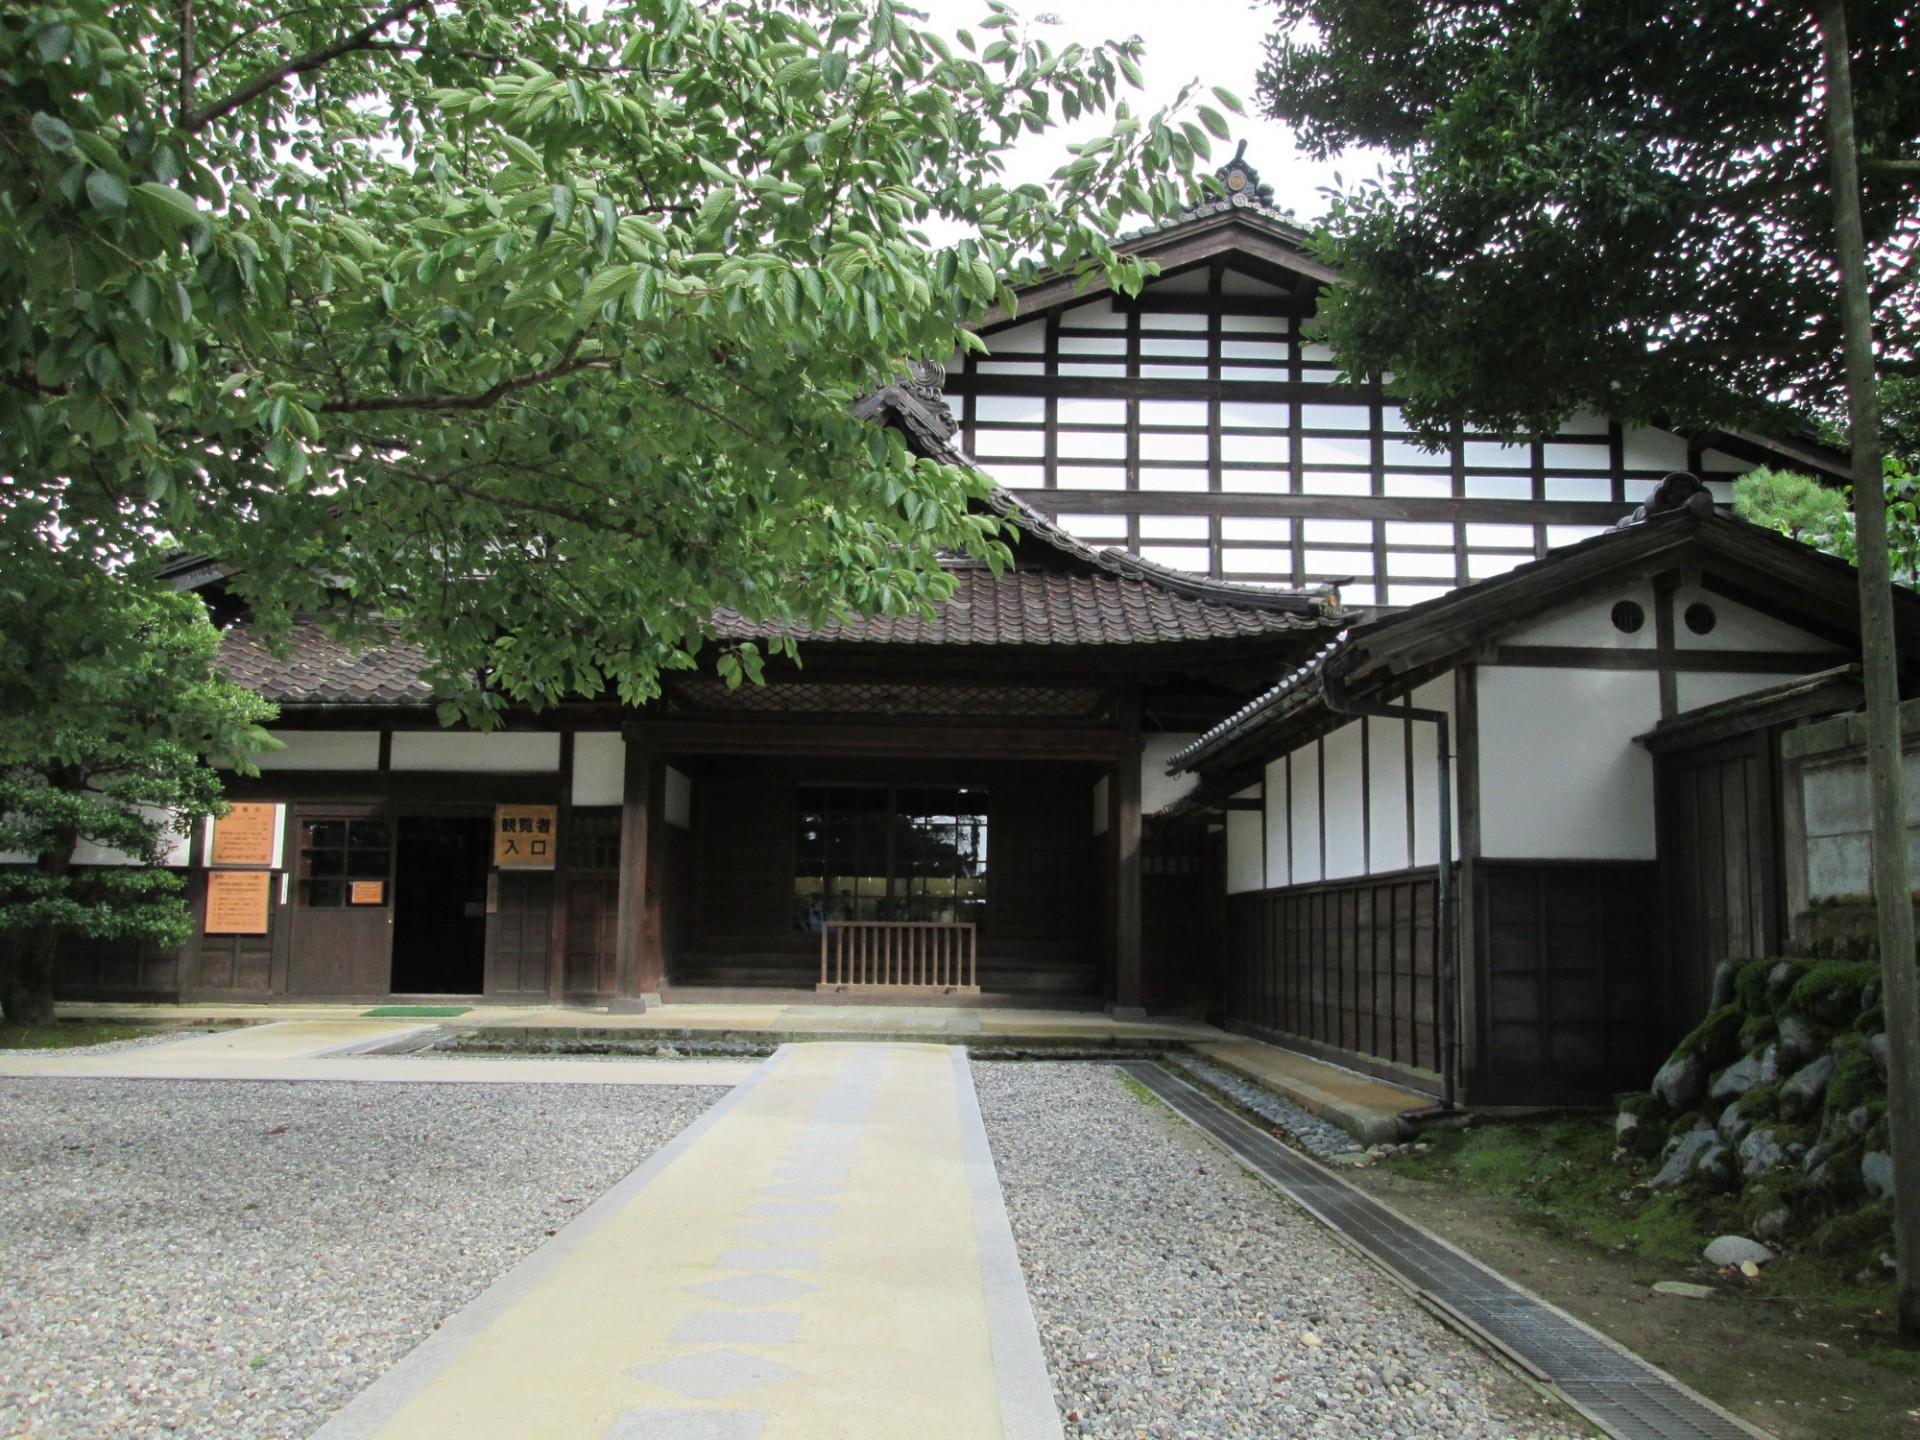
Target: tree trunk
(26, 980)
(1892, 886)
(27, 996)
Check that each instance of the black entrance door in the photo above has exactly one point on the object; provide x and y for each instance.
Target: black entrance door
(440, 905)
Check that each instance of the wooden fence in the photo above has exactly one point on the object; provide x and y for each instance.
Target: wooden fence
(900, 955)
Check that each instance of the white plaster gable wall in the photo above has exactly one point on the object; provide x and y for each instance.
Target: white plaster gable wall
(1589, 622)
(323, 750)
(1343, 753)
(86, 852)
(1696, 689)
(1157, 788)
(1246, 861)
(1100, 804)
(1738, 627)
(1560, 776)
(599, 767)
(491, 753)
(1278, 817)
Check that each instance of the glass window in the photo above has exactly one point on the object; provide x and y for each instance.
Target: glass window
(875, 852)
(593, 840)
(336, 853)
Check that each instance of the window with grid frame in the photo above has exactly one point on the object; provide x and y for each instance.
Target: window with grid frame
(889, 852)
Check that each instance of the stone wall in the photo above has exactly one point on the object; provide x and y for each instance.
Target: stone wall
(1827, 823)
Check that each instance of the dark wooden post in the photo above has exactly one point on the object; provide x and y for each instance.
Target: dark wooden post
(636, 876)
(1123, 824)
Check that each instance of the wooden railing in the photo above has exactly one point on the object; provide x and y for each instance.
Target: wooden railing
(927, 955)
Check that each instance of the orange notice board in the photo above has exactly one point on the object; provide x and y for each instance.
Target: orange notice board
(524, 835)
(238, 902)
(245, 835)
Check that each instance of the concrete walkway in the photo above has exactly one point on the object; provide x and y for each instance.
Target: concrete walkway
(933, 1022)
(333, 1049)
(822, 1256)
(1367, 1109)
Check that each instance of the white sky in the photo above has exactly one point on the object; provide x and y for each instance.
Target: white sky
(1219, 42)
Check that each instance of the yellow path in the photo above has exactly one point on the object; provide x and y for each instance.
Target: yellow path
(822, 1256)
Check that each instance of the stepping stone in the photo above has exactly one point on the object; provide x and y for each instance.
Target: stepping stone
(801, 1189)
(736, 1327)
(754, 1289)
(790, 1209)
(713, 1373)
(785, 1232)
(788, 1257)
(652, 1424)
(804, 1173)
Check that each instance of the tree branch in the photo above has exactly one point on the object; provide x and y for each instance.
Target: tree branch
(187, 63)
(478, 400)
(1890, 167)
(360, 39)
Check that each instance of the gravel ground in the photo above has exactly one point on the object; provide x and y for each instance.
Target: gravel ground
(1310, 1132)
(239, 1260)
(1178, 1297)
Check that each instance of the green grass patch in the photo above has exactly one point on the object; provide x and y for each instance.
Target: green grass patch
(383, 1012)
(1559, 1178)
(69, 1034)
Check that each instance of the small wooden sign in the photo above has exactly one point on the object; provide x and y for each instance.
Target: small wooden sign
(246, 835)
(525, 836)
(367, 892)
(238, 902)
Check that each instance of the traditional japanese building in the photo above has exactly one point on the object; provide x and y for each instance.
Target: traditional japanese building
(978, 808)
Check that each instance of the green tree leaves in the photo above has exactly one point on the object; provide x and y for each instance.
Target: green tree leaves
(1621, 208)
(533, 330)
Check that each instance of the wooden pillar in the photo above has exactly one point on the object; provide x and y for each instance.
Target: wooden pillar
(1123, 825)
(636, 900)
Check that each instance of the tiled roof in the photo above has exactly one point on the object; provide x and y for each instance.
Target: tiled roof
(317, 669)
(1039, 608)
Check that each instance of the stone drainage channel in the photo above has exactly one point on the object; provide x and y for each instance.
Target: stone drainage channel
(1606, 1383)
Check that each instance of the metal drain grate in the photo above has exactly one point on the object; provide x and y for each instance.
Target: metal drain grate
(1612, 1387)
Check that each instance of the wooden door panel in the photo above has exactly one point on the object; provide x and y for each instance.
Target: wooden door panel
(518, 934)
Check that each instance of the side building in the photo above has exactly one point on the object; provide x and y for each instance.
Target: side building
(1612, 717)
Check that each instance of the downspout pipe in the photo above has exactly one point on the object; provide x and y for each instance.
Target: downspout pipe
(1333, 690)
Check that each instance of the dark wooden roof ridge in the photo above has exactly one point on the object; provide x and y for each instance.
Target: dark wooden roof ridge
(1820, 589)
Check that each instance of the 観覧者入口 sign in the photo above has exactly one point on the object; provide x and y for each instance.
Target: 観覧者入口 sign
(525, 837)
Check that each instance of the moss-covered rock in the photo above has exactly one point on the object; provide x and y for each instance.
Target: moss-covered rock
(1761, 1102)
(1856, 1080)
(1832, 991)
(1858, 1235)
(1716, 1040)
(1757, 1031)
(1750, 987)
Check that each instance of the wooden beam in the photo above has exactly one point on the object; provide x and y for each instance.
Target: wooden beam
(1123, 821)
(630, 936)
(1726, 662)
(1322, 507)
(762, 736)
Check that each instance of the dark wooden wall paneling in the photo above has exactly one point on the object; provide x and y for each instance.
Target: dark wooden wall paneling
(1346, 964)
(1571, 961)
(1719, 860)
(518, 935)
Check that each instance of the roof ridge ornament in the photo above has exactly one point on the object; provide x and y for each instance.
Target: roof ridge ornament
(1242, 181)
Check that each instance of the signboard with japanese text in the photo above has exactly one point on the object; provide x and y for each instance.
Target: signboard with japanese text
(238, 902)
(525, 836)
(248, 834)
(366, 892)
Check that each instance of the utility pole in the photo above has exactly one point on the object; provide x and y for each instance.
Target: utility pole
(1892, 886)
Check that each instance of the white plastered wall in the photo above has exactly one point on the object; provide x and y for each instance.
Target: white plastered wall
(1589, 622)
(1157, 788)
(677, 804)
(599, 767)
(1303, 816)
(490, 753)
(1387, 797)
(1343, 754)
(1246, 853)
(1277, 826)
(1423, 740)
(323, 750)
(1560, 775)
